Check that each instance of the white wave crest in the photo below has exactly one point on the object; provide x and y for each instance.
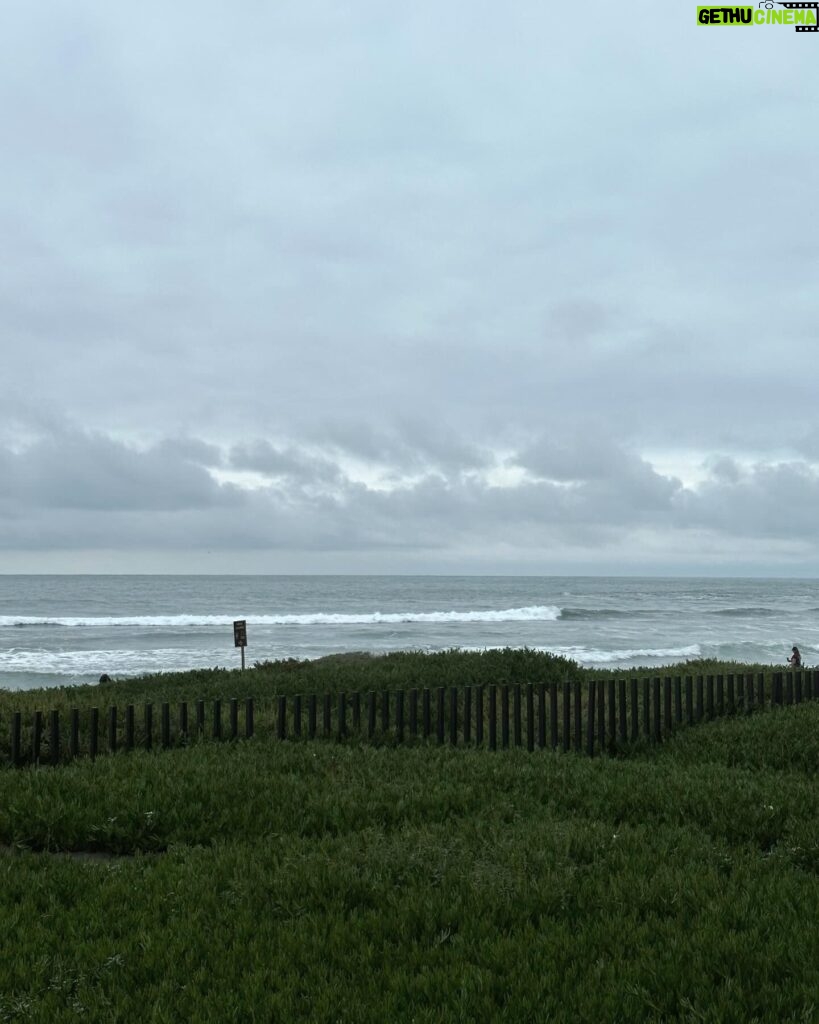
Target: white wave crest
(122, 662)
(587, 656)
(534, 613)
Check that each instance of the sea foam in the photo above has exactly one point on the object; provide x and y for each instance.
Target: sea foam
(533, 613)
(590, 656)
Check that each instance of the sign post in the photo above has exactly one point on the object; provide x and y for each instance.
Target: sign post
(240, 637)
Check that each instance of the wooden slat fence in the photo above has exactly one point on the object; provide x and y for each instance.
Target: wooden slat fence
(595, 717)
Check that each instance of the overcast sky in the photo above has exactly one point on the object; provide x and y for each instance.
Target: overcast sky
(315, 286)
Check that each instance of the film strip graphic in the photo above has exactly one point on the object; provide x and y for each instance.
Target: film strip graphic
(801, 7)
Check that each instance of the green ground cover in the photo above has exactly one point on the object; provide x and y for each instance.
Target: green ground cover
(314, 681)
(270, 881)
(343, 672)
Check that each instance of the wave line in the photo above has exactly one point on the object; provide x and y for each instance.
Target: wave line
(533, 613)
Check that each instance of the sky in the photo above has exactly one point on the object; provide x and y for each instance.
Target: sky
(325, 286)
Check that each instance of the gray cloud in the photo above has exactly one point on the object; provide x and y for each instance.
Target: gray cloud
(380, 256)
(287, 463)
(91, 472)
(79, 491)
(764, 501)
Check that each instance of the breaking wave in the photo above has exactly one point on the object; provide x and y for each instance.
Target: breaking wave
(591, 656)
(533, 613)
(590, 614)
(122, 662)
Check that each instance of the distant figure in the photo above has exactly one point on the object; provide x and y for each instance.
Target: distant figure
(105, 678)
(795, 660)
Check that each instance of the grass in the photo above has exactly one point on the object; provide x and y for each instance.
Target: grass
(362, 674)
(271, 881)
(332, 674)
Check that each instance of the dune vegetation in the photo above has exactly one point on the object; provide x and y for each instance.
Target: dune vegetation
(346, 881)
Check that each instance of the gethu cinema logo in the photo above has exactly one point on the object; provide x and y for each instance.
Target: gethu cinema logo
(803, 16)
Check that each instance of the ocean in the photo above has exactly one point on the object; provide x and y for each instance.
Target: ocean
(58, 630)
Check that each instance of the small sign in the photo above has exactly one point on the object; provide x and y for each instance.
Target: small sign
(240, 633)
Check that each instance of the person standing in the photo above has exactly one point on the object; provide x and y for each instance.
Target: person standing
(795, 660)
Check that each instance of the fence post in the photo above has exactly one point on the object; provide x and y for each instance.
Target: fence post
(590, 721)
(760, 681)
(601, 716)
(149, 726)
(553, 714)
(667, 704)
(612, 708)
(399, 715)
(518, 716)
(709, 697)
(370, 714)
(720, 696)
(312, 715)
(234, 718)
(385, 711)
(678, 700)
(541, 715)
(530, 717)
(658, 735)
(731, 694)
(635, 710)
(327, 711)
(505, 716)
(297, 716)
(493, 717)
(341, 729)
(281, 719)
(798, 686)
(183, 721)
(689, 699)
(36, 737)
(439, 720)
(578, 716)
(356, 712)
(621, 696)
(789, 688)
(565, 711)
(426, 711)
(453, 716)
(467, 715)
(200, 719)
(646, 709)
(413, 713)
(166, 725)
(217, 719)
(16, 737)
(479, 716)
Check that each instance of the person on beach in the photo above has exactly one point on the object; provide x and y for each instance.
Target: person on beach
(795, 660)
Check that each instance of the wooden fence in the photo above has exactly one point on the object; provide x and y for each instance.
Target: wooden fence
(594, 717)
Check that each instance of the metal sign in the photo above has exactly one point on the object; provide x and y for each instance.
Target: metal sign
(240, 633)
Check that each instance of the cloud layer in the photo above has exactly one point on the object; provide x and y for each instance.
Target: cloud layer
(346, 286)
(278, 508)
